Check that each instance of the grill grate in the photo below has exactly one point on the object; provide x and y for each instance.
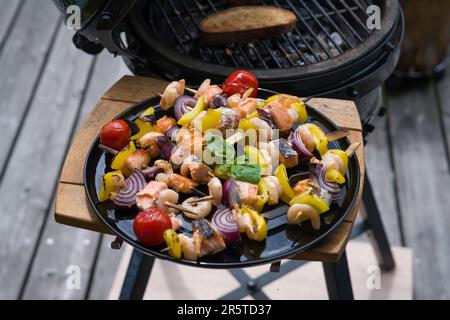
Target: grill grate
(325, 29)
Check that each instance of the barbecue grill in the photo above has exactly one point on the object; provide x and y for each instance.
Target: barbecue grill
(331, 52)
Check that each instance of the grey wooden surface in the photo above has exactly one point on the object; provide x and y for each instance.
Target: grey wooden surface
(48, 87)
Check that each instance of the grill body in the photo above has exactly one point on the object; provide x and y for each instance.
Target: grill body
(331, 52)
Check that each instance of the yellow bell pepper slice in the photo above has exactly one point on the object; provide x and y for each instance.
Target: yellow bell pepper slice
(210, 120)
(108, 185)
(245, 125)
(271, 99)
(119, 159)
(189, 116)
(255, 157)
(258, 229)
(334, 175)
(319, 136)
(282, 176)
(252, 115)
(149, 112)
(300, 108)
(344, 157)
(144, 128)
(314, 201)
(173, 243)
(263, 195)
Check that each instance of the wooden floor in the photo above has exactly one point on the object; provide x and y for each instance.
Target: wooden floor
(47, 87)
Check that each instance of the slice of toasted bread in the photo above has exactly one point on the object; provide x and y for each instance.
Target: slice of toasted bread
(243, 2)
(245, 23)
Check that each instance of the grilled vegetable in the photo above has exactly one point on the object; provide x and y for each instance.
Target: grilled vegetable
(282, 176)
(149, 226)
(262, 196)
(110, 184)
(311, 199)
(126, 196)
(228, 120)
(225, 221)
(115, 134)
(231, 194)
(219, 101)
(210, 120)
(119, 159)
(173, 243)
(184, 104)
(246, 172)
(144, 128)
(250, 222)
(239, 82)
(189, 116)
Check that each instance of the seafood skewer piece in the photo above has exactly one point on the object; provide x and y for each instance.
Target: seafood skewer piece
(181, 184)
(215, 190)
(171, 93)
(197, 209)
(207, 239)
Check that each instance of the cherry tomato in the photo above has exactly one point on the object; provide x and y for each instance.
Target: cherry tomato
(149, 226)
(115, 134)
(239, 82)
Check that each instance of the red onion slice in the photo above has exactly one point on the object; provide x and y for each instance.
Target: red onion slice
(225, 222)
(183, 104)
(231, 195)
(267, 117)
(332, 187)
(126, 197)
(166, 146)
(150, 173)
(299, 146)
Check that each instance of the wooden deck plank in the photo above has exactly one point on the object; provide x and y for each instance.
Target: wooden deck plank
(27, 48)
(29, 182)
(73, 246)
(423, 180)
(7, 15)
(381, 175)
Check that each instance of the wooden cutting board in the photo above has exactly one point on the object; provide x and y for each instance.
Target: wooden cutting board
(71, 206)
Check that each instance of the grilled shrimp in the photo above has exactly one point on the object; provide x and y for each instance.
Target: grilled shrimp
(333, 161)
(181, 184)
(137, 160)
(300, 212)
(264, 129)
(201, 209)
(165, 165)
(188, 247)
(164, 123)
(172, 92)
(275, 189)
(215, 190)
(167, 195)
(147, 197)
(148, 141)
(248, 192)
(234, 100)
(208, 91)
(306, 137)
(162, 177)
(185, 167)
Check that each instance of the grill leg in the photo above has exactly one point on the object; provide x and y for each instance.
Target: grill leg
(137, 276)
(376, 231)
(338, 280)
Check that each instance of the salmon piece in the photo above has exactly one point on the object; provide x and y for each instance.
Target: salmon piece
(165, 123)
(146, 198)
(206, 238)
(248, 192)
(246, 107)
(302, 186)
(181, 184)
(281, 117)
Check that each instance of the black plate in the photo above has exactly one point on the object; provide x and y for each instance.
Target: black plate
(282, 241)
